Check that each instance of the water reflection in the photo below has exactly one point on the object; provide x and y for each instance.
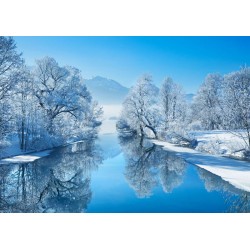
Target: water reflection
(237, 199)
(57, 183)
(148, 165)
(133, 176)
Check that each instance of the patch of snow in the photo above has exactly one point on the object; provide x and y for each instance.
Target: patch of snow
(233, 171)
(220, 142)
(11, 147)
(26, 157)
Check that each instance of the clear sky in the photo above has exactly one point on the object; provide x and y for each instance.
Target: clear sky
(186, 59)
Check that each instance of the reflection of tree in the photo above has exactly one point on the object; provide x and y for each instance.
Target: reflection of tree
(240, 203)
(147, 163)
(237, 200)
(57, 183)
(72, 195)
(213, 182)
(19, 188)
(139, 173)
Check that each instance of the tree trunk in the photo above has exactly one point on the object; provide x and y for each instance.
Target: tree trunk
(22, 135)
(153, 130)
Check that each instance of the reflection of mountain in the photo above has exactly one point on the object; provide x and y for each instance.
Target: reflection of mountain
(106, 91)
(57, 183)
(239, 200)
(149, 165)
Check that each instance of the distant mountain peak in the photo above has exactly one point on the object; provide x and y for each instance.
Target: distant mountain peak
(106, 91)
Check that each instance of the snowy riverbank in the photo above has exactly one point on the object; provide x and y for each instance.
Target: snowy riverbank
(233, 171)
(27, 157)
(221, 142)
(13, 153)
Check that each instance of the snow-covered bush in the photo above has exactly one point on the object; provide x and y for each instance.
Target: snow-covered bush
(178, 135)
(211, 147)
(195, 126)
(123, 129)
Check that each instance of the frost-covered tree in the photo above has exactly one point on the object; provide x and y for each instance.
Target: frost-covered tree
(174, 111)
(64, 99)
(207, 103)
(236, 102)
(172, 103)
(10, 61)
(25, 108)
(140, 110)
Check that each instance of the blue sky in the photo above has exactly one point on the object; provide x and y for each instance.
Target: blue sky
(186, 59)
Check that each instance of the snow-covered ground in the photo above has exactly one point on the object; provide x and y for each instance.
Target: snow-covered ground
(220, 142)
(13, 154)
(110, 117)
(10, 148)
(234, 171)
(25, 157)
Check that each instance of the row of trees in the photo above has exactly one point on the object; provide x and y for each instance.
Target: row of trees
(45, 105)
(222, 102)
(151, 112)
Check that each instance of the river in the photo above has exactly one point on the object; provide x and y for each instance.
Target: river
(111, 174)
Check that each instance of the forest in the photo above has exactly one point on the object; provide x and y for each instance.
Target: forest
(221, 103)
(45, 105)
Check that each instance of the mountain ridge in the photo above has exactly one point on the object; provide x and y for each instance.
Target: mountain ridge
(106, 91)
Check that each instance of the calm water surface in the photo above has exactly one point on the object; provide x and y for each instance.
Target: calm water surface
(115, 175)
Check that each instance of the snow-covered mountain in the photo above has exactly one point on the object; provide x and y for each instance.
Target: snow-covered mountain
(106, 91)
